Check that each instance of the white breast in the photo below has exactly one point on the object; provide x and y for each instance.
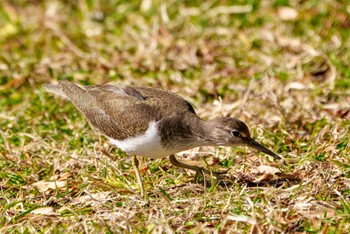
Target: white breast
(147, 144)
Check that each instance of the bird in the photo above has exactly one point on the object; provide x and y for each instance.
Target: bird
(153, 123)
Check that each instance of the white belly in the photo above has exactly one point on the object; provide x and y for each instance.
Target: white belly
(146, 145)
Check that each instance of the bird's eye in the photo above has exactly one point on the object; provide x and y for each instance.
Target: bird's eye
(235, 133)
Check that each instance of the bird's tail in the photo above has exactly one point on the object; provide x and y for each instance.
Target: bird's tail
(68, 90)
(78, 96)
(55, 88)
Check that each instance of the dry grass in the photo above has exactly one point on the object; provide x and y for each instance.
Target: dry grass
(284, 71)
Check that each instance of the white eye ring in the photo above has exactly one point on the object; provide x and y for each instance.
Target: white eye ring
(235, 133)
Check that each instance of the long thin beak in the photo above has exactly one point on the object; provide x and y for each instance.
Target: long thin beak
(253, 144)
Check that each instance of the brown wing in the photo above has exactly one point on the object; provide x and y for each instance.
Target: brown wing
(121, 112)
(166, 101)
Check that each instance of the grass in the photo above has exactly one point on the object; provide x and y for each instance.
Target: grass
(285, 75)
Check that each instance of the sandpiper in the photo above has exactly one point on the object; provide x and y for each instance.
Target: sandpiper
(152, 123)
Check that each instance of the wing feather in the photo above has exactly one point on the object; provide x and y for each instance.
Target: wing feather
(120, 112)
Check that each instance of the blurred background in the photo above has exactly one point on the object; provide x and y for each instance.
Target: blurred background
(281, 66)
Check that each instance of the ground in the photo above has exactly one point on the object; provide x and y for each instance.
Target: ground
(280, 66)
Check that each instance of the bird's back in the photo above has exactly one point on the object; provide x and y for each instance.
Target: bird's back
(121, 112)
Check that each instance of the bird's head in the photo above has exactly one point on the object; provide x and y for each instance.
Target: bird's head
(230, 132)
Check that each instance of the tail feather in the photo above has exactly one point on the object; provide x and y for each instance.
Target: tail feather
(72, 91)
(78, 96)
(55, 88)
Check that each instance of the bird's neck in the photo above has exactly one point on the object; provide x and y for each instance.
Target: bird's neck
(211, 134)
(192, 131)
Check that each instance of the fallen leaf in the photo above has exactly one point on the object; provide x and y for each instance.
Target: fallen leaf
(314, 210)
(267, 169)
(60, 177)
(44, 211)
(93, 198)
(43, 186)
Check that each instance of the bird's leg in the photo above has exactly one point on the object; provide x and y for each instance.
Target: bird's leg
(135, 164)
(198, 170)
